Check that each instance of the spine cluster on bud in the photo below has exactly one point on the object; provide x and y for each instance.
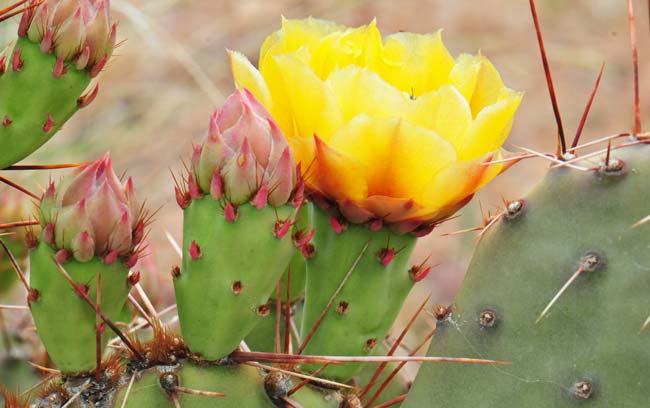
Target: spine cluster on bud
(77, 31)
(92, 214)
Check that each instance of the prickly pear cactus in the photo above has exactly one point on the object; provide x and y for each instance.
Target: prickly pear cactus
(237, 222)
(61, 46)
(586, 350)
(92, 225)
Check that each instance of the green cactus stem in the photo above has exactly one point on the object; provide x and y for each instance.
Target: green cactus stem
(586, 349)
(230, 269)
(65, 323)
(34, 104)
(376, 266)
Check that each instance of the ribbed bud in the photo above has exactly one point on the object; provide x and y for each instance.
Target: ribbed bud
(90, 213)
(79, 31)
(245, 152)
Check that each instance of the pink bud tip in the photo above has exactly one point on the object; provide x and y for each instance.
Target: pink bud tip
(301, 239)
(195, 250)
(261, 197)
(138, 232)
(308, 250)
(133, 279)
(31, 240)
(298, 196)
(386, 256)
(3, 64)
(281, 228)
(132, 260)
(23, 26)
(375, 225)
(195, 191)
(97, 68)
(6, 121)
(62, 256)
(423, 230)
(216, 185)
(87, 99)
(418, 273)
(33, 296)
(230, 212)
(49, 124)
(48, 234)
(16, 62)
(183, 199)
(102, 328)
(46, 42)
(81, 290)
(337, 225)
(111, 257)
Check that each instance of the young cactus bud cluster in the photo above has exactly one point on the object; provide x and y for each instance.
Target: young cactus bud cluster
(92, 227)
(244, 159)
(91, 214)
(61, 45)
(240, 201)
(78, 31)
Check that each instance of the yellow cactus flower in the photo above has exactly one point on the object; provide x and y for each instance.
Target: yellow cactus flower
(391, 129)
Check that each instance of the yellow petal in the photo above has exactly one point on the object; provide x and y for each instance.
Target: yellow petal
(444, 111)
(359, 91)
(309, 31)
(415, 63)
(309, 102)
(488, 87)
(354, 46)
(458, 181)
(465, 73)
(335, 174)
(400, 157)
(247, 76)
(491, 127)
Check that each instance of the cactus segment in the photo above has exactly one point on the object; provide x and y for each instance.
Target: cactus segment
(34, 104)
(370, 300)
(229, 271)
(243, 385)
(587, 349)
(65, 323)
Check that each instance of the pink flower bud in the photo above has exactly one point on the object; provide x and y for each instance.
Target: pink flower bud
(80, 31)
(90, 213)
(245, 153)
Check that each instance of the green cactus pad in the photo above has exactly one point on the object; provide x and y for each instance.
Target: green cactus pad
(587, 351)
(243, 386)
(65, 323)
(28, 95)
(369, 302)
(219, 295)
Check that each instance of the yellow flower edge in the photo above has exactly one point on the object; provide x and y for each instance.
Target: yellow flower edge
(393, 129)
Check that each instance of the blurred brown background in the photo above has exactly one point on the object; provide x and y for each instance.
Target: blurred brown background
(172, 71)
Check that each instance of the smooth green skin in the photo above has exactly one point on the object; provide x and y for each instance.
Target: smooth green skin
(27, 96)
(375, 293)
(213, 319)
(65, 323)
(593, 329)
(243, 386)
